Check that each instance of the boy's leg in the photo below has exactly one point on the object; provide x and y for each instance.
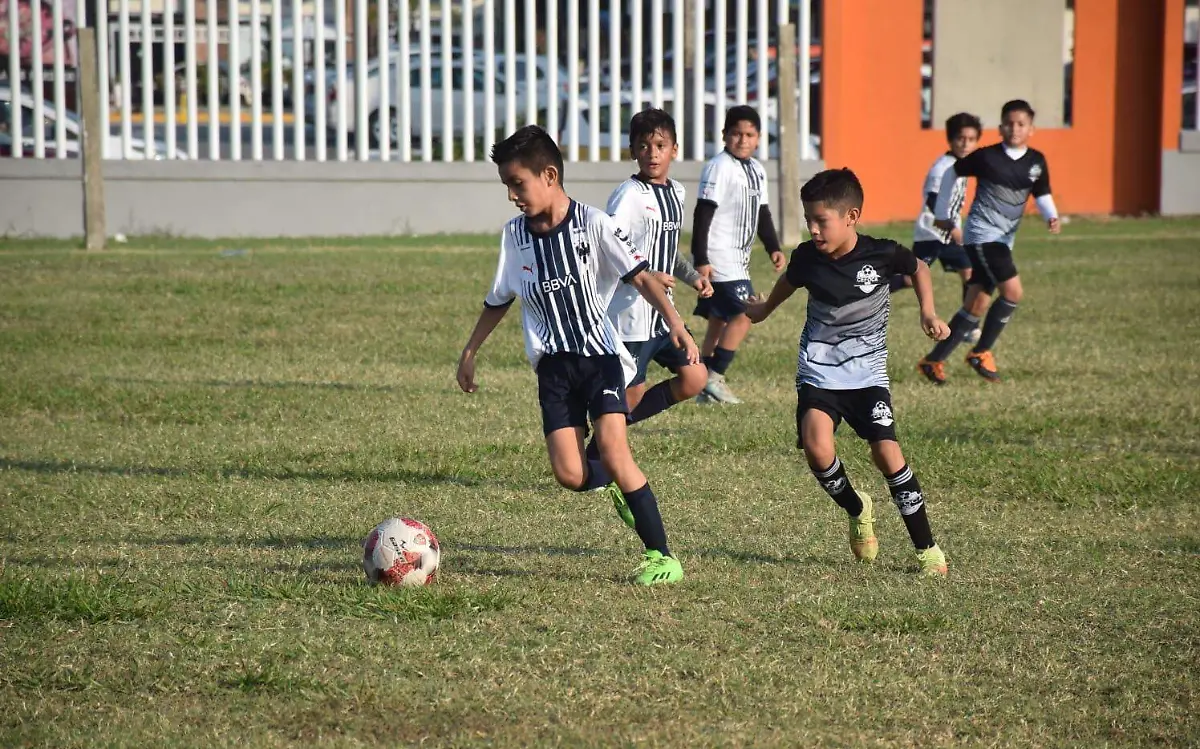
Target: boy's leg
(1002, 269)
(564, 423)
(978, 292)
(910, 501)
(688, 382)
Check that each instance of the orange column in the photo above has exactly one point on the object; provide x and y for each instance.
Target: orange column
(1172, 74)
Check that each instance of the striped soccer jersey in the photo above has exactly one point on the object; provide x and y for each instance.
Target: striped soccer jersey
(844, 342)
(651, 216)
(565, 279)
(1005, 178)
(925, 231)
(737, 188)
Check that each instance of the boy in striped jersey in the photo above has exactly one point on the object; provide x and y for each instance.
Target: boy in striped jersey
(565, 260)
(842, 367)
(649, 209)
(730, 210)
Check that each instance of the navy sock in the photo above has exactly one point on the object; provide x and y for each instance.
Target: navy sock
(648, 522)
(656, 400)
(836, 484)
(591, 451)
(907, 496)
(596, 477)
(993, 325)
(720, 360)
(961, 326)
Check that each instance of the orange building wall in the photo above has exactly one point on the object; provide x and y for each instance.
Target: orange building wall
(872, 118)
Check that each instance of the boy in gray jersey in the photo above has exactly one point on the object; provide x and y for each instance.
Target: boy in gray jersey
(842, 367)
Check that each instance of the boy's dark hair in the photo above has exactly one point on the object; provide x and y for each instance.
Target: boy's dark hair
(956, 123)
(531, 147)
(648, 122)
(1016, 105)
(836, 188)
(742, 113)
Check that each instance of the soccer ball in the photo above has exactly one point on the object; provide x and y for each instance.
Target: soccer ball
(401, 551)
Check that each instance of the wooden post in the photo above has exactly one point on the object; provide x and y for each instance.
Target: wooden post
(94, 230)
(791, 212)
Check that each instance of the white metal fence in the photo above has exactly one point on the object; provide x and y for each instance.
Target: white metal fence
(414, 80)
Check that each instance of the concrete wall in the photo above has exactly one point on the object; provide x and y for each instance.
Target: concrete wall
(1180, 194)
(282, 199)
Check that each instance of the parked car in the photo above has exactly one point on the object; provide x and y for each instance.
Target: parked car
(72, 128)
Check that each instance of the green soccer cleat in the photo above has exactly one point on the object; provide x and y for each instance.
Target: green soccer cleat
(657, 569)
(862, 532)
(619, 504)
(932, 561)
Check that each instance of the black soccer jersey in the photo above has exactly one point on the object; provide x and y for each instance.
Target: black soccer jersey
(1003, 186)
(844, 343)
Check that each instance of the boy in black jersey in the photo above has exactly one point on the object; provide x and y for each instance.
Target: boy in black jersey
(842, 367)
(1006, 175)
(565, 260)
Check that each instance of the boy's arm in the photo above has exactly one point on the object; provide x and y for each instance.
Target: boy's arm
(1045, 201)
(489, 318)
(910, 265)
(770, 240)
(684, 271)
(702, 218)
(760, 309)
(945, 200)
(655, 293)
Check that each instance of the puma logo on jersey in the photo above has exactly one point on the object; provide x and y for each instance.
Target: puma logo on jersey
(527, 268)
(867, 279)
(881, 414)
(557, 284)
(613, 392)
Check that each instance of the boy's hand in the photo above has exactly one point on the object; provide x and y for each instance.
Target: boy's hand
(945, 224)
(683, 340)
(1055, 225)
(705, 271)
(934, 327)
(466, 373)
(756, 309)
(666, 279)
(703, 287)
(779, 260)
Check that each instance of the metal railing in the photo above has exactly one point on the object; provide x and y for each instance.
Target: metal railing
(440, 80)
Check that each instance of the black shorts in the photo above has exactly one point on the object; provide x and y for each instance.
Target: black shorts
(728, 300)
(991, 264)
(953, 256)
(661, 350)
(867, 410)
(572, 387)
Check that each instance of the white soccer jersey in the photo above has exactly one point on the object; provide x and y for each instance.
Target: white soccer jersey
(566, 279)
(738, 188)
(651, 216)
(925, 231)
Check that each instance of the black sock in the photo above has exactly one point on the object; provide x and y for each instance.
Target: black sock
(896, 284)
(591, 451)
(647, 520)
(596, 476)
(997, 317)
(961, 326)
(656, 400)
(906, 494)
(837, 485)
(966, 287)
(720, 360)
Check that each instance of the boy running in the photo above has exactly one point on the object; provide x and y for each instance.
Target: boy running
(1006, 174)
(842, 368)
(565, 260)
(730, 210)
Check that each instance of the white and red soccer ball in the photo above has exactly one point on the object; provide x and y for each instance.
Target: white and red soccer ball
(401, 551)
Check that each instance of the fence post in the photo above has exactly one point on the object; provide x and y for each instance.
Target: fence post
(94, 230)
(789, 139)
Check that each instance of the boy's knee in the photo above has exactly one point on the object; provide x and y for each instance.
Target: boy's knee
(690, 381)
(572, 478)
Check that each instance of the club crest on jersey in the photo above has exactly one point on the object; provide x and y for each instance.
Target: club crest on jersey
(867, 279)
(1035, 171)
(579, 241)
(881, 414)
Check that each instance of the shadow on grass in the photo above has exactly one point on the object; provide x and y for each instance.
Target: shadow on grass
(426, 478)
(258, 384)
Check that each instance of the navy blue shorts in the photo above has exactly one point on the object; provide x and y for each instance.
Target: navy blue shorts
(572, 387)
(991, 265)
(728, 300)
(953, 256)
(868, 411)
(661, 350)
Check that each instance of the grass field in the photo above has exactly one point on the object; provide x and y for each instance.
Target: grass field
(194, 440)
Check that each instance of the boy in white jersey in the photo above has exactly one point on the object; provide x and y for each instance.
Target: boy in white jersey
(730, 210)
(1006, 174)
(842, 367)
(649, 209)
(565, 260)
